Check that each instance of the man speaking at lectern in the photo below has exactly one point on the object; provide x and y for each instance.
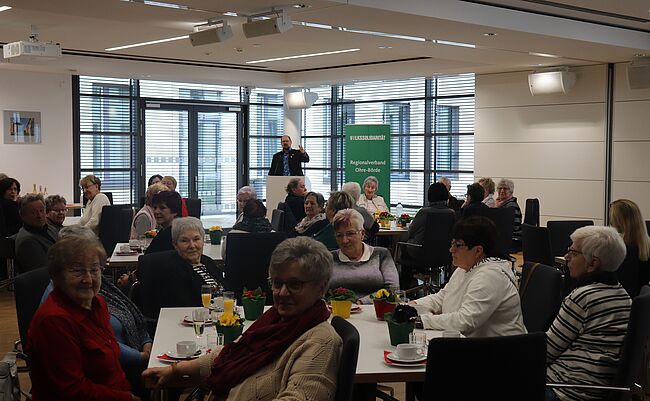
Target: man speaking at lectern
(287, 161)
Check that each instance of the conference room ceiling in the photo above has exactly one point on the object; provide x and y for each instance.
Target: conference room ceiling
(394, 38)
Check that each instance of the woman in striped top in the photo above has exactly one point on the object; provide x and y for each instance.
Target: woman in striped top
(585, 340)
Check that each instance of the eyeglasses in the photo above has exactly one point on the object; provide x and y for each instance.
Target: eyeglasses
(292, 285)
(348, 234)
(58, 210)
(79, 272)
(573, 252)
(503, 189)
(457, 244)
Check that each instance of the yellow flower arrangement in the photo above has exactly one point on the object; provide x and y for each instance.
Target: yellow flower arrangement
(214, 228)
(230, 319)
(150, 233)
(384, 295)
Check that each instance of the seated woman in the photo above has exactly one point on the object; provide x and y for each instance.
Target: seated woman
(357, 266)
(474, 199)
(488, 185)
(253, 221)
(338, 200)
(505, 198)
(72, 350)
(166, 207)
(626, 218)
(290, 352)
(171, 184)
(437, 194)
(481, 298)
(369, 198)
(315, 218)
(584, 342)
(9, 206)
(174, 278)
(55, 210)
(145, 220)
(295, 199)
(92, 214)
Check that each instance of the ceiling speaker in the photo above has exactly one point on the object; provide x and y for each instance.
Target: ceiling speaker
(211, 35)
(269, 26)
(551, 82)
(638, 73)
(300, 100)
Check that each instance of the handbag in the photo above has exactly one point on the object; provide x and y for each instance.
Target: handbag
(9, 384)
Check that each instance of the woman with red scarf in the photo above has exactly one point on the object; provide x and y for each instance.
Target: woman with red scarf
(291, 352)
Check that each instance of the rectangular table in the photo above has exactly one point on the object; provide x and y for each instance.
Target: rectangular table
(373, 336)
(211, 250)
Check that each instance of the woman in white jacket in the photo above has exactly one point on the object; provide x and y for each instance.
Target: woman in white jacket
(481, 298)
(91, 185)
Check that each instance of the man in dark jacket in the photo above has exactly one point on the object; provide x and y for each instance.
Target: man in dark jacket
(36, 236)
(287, 161)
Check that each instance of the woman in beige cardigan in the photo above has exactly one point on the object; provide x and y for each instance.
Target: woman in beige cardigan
(291, 352)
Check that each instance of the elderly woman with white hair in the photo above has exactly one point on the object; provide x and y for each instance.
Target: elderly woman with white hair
(174, 278)
(505, 198)
(354, 190)
(360, 267)
(584, 341)
(369, 198)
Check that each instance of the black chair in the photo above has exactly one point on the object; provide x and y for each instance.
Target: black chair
(29, 288)
(432, 257)
(541, 295)
(250, 269)
(504, 219)
(277, 220)
(532, 212)
(290, 220)
(559, 232)
(647, 225)
(536, 245)
(349, 357)
(193, 207)
(629, 273)
(115, 226)
(8, 254)
(505, 368)
(109, 195)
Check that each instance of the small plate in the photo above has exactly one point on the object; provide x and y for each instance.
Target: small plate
(171, 356)
(354, 309)
(394, 358)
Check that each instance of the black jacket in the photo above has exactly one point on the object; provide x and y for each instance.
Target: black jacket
(295, 158)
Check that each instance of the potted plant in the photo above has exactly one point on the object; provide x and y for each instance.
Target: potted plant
(215, 234)
(341, 300)
(230, 325)
(384, 301)
(401, 323)
(384, 219)
(253, 302)
(403, 220)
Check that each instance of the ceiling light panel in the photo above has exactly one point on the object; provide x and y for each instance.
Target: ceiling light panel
(152, 42)
(302, 56)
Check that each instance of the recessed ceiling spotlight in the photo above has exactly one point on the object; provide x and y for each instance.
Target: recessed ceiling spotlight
(4, 8)
(230, 14)
(489, 34)
(640, 54)
(256, 45)
(298, 5)
(385, 47)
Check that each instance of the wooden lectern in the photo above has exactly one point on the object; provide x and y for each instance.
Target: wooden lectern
(276, 191)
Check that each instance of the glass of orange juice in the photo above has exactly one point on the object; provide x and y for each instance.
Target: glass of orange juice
(206, 295)
(228, 302)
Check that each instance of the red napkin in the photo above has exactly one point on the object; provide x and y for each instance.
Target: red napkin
(388, 361)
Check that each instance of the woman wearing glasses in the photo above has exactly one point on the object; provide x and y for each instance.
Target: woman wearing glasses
(72, 349)
(91, 186)
(481, 298)
(55, 210)
(291, 352)
(358, 266)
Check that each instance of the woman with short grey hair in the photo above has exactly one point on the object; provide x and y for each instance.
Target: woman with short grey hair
(312, 257)
(359, 267)
(91, 186)
(505, 198)
(369, 198)
(296, 198)
(338, 200)
(184, 224)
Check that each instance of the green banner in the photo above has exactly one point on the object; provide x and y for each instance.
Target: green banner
(368, 153)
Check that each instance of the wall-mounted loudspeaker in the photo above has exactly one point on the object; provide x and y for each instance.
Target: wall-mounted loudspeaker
(638, 73)
(551, 82)
(278, 24)
(211, 35)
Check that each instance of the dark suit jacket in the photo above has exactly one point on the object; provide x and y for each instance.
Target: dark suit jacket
(32, 246)
(162, 242)
(168, 281)
(295, 158)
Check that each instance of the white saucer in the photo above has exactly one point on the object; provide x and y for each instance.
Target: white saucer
(393, 357)
(174, 355)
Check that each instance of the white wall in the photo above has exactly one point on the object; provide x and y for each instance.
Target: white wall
(49, 163)
(551, 146)
(631, 154)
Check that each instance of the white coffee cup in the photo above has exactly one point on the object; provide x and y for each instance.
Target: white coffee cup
(407, 351)
(125, 248)
(186, 348)
(451, 333)
(134, 243)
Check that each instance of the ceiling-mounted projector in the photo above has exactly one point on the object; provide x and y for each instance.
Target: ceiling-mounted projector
(211, 35)
(279, 23)
(300, 100)
(545, 82)
(31, 51)
(638, 73)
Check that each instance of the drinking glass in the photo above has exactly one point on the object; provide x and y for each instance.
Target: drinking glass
(199, 317)
(401, 297)
(228, 302)
(419, 339)
(215, 341)
(206, 295)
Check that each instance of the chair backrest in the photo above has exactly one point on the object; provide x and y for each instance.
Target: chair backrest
(250, 269)
(504, 219)
(536, 245)
(193, 207)
(8, 247)
(484, 362)
(277, 220)
(29, 288)
(349, 357)
(631, 365)
(290, 220)
(559, 232)
(630, 272)
(647, 225)
(532, 212)
(115, 226)
(437, 237)
(541, 295)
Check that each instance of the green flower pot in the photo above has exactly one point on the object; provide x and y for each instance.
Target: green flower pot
(231, 333)
(398, 332)
(253, 308)
(215, 237)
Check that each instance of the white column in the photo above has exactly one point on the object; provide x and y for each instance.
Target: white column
(293, 121)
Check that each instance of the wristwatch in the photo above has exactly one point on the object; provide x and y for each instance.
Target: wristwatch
(418, 322)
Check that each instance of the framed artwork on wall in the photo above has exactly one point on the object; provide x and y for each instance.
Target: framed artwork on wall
(22, 127)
